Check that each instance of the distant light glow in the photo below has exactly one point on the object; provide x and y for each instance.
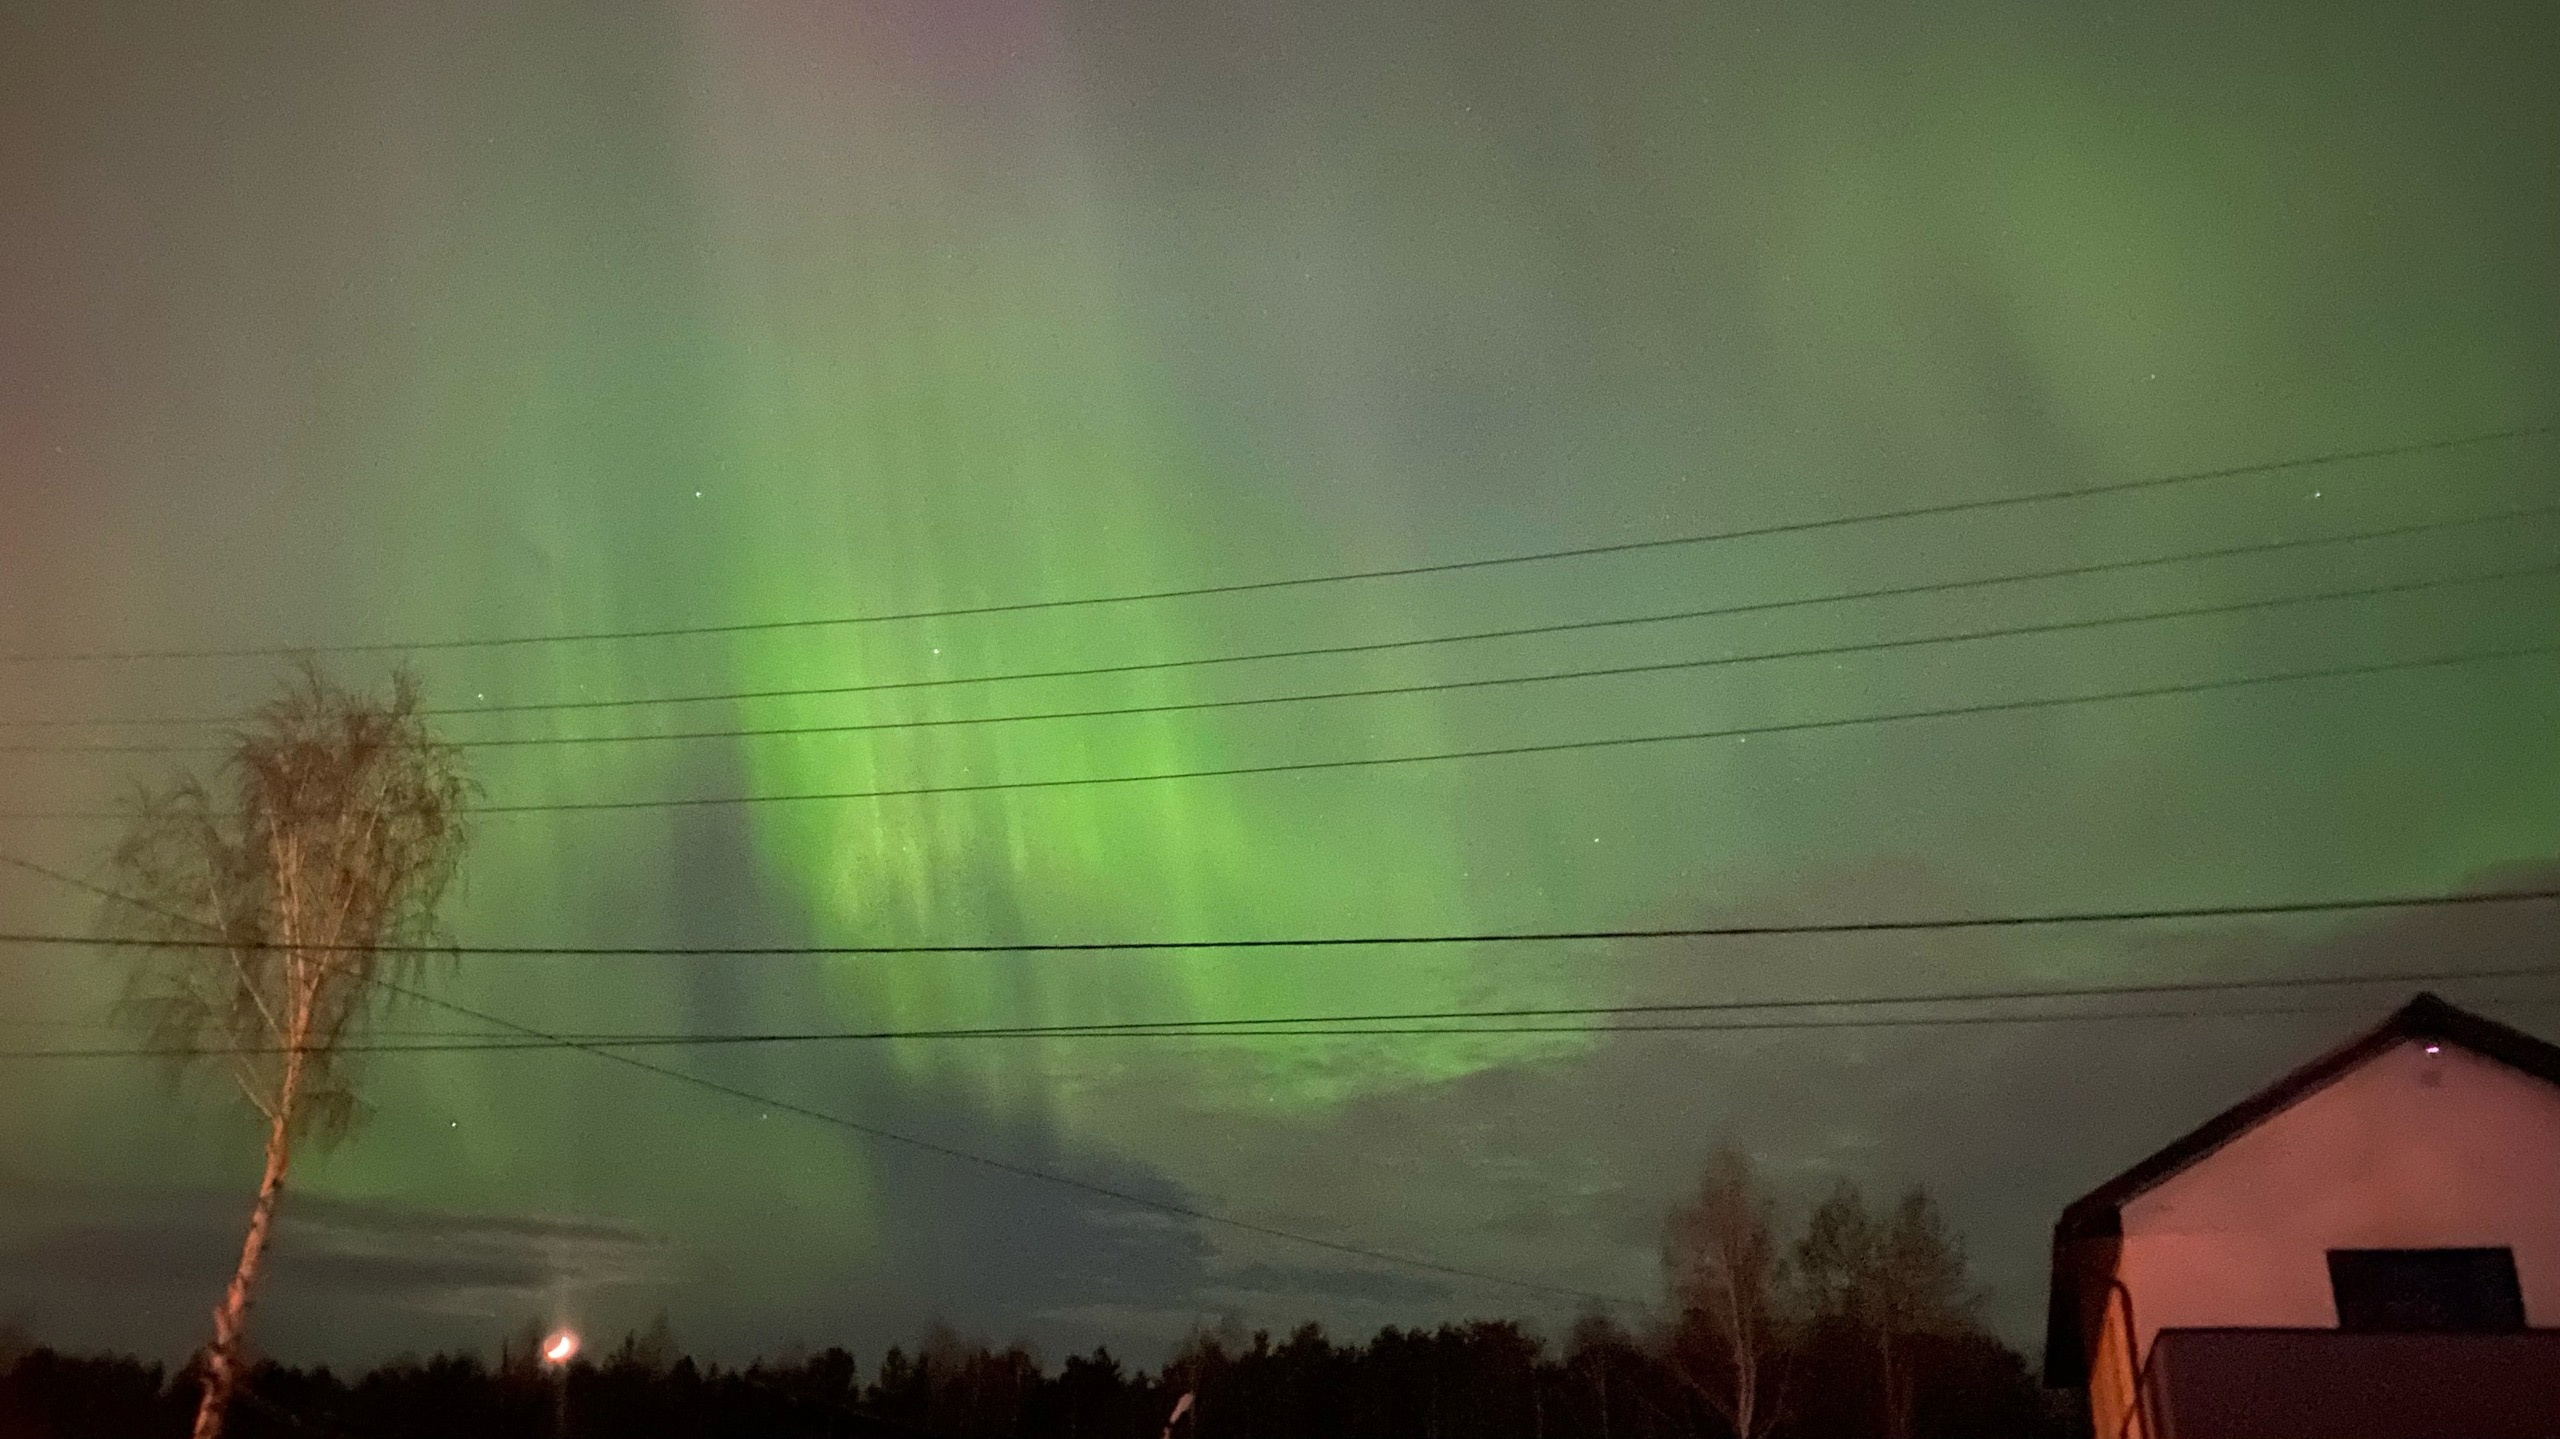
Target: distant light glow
(2435, 1049)
(560, 1348)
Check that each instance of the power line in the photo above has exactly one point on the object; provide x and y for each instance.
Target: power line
(532, 1037)
(948, 1151)
(1299, 581)
(1547, 747)
(767, 1102)
(1509, 751)
(535, 1046)
(1543, 630)
(1907, 925)
(1930, 587)
(1424, 687)
(1427, 1022)
(1051, 1176)
(601, 806)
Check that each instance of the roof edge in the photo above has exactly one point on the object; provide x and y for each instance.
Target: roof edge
(2098, 1213)
(2097, 1217)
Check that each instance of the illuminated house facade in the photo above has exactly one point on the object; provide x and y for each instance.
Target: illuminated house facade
(2360, 1251)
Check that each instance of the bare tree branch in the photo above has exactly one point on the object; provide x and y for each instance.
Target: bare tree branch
(342, 832)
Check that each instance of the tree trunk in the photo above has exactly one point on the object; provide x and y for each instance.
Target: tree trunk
(1745, 1338)
(231, 1316)
(1897, 1385)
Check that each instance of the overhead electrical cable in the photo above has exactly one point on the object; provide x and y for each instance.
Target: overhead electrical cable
(1547, 747)
(602, 1050)
(482, 1041)
(2275, 909)
(1747, 607)
(1355, 762)
(931, 1146)
(1767, 1014)
(1951, 507)
(1788, 1026)
(1034, 1172)
(2045, 627)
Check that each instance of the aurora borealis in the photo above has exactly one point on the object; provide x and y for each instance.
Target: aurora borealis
(339, 324)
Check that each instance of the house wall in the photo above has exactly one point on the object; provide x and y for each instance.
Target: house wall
(2112, 1392)
(2408, 1150)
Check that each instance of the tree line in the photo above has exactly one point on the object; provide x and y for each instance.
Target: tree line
(1861, 1328)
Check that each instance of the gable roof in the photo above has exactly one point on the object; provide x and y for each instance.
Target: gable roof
(2097, 1217)
(2097, 1214)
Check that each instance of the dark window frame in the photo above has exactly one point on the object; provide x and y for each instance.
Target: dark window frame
(2468, 1290)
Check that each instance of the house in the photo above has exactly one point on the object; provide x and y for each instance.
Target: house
(2362, 1250)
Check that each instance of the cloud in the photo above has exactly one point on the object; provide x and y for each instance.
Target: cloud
(178, 1246)
(1288, 1283)
(1561, 1169)
(492, 1265)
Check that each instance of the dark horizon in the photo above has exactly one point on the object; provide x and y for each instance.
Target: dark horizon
(1482, 1380)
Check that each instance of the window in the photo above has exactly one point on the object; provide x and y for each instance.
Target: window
(2426, 1290)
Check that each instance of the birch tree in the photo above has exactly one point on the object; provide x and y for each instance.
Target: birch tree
(272, 912)
(1721, 1260)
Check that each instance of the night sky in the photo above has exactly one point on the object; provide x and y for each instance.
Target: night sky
(343, 323)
